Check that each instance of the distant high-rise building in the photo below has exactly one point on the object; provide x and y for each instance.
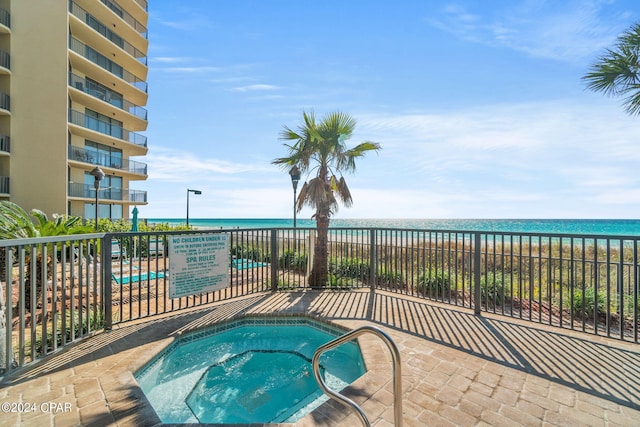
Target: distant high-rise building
(72, 90)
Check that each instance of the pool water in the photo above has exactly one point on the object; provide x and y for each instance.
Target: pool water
(253, 370)
(124, 280)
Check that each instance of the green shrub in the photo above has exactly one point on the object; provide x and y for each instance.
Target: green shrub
(628, 308)
(391, 279)
(284, 285)
(250, 253)
(293, 261)
(353, 268)
(434, 283)
(584, 302)
(340, 282)
(493, 289)
(96, 322)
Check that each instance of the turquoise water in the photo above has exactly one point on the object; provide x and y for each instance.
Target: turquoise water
(626, 227)
(244, 264)
(125, 279)
(247, 373)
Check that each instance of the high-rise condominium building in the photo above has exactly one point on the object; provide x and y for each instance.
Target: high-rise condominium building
(72, 91)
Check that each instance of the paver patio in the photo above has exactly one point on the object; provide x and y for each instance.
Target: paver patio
(457, 368)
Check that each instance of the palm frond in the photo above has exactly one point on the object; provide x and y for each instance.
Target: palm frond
(617, 72)
(342, 190)
(320, 147)
(15, 222)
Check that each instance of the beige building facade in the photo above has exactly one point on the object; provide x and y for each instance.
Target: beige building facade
(72, 95)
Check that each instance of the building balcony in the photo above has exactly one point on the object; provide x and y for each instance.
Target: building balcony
(143, 4)
(5, 22)
(80, 154)
(103, 30)
(5, 62)
(5, 104)
(5, 144)
(126, 17)
(87, 191)
(105, 63)
(4, 186)
(107, 95)
(96, 125)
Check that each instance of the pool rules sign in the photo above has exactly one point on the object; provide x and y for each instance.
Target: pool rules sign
(198, 263)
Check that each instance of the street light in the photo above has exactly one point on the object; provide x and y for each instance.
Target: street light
(197, 192)
(295, 178)
(98, 175)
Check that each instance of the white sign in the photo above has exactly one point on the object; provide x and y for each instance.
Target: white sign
(198, 264)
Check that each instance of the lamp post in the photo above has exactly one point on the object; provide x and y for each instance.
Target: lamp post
(295, 178)
(197, 192)
(98, 175)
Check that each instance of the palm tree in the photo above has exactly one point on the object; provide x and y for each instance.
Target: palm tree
(15, 223)
(617, 73)
(319, 149)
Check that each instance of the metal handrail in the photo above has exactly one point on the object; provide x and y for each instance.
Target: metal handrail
(397, 374)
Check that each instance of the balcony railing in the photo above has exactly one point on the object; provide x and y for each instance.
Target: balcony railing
(5, 60)
(126, 17)
(143, 3)
(90, 156)
(5, 18)
(81, 119)
(103, 62)
(5, 143)
(94, 23)
(5, 101)
(120, 194)
(104, 93)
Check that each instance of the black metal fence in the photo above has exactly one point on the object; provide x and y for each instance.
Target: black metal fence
(57, 290)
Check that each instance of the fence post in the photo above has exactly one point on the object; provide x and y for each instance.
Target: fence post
(274, 259)
(477, 248)
(6, 316)
(105, 260)
(373, 259)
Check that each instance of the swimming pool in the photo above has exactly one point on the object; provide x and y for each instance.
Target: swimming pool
(250, 370)
(126, 279)
(245, 264)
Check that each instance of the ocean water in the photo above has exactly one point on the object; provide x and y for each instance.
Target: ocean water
(618, 227)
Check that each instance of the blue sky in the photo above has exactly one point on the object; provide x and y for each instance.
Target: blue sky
(479, 106)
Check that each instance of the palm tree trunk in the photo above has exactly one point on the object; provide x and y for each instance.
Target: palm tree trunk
(320, 270)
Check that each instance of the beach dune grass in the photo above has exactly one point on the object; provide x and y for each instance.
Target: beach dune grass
(532, 276)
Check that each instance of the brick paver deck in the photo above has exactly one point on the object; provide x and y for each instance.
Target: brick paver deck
(458, 369)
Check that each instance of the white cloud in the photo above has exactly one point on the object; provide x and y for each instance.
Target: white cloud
(532, 156)
(623, 197)
(191, 70)
(536, 160)
(255, 87)
(171, 165)
(170, 59)
(570, 30)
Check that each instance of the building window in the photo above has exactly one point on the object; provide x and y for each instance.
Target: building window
(102, 92)
(113, 212)
(110, 187)
(103, 124)
(104, 155)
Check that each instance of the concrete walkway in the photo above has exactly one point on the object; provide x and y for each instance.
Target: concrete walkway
(458, 369)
